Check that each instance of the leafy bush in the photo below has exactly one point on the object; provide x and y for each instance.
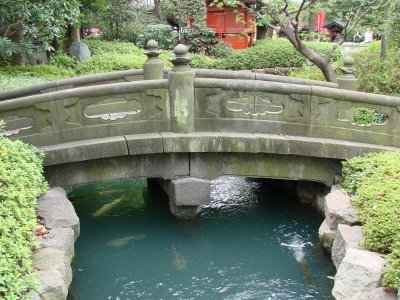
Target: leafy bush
(266, 54)
(39, 71)
(220, 49)
(21, 183)
(63, 60)
(324, 48)
(374, 180)
(378, 75)
(163, 34)
(98, 46)
(308, 72)
(201, 61)
(110, 62)
(9, 82)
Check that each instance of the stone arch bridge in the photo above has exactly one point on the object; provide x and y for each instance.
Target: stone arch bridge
(186, 126)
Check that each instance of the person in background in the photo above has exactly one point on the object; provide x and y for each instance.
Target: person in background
(368, 35)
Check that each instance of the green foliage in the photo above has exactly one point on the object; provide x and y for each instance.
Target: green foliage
(62, 60)
(39, 22)
(98, 46)
(21, 183)
(182, 11)
(378, 75)
(201, 61)
(163, 34)
(201, 38)
(374, 180)
(9, 82)
(40, 71)
(266, 54)
(365, 116)
(102, 63)
(324, 48)
(308, 72)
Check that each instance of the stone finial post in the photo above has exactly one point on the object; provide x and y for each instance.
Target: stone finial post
(153, 68)
(181, 91)
(348, 81)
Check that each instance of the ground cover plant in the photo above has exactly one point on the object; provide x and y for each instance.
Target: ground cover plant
(374, 182)
(21, 183)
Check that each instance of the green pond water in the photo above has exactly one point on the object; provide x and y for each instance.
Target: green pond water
(252, 242)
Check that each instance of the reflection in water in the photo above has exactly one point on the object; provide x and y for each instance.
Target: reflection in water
(251, 242)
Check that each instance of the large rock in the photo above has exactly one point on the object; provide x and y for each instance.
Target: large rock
(57, 211)
(80, 51)
(383, 294)
(358, 275)
(347, 237)
(338, 209)
(319, 204)
(60, 238)
(52, 285)
(53, 259)
(326, 236)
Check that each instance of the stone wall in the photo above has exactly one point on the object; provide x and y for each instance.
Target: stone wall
(58, 232)
(359, 272)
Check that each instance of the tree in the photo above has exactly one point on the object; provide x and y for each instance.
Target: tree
(287, 15)
(180, 12)
(28, 24)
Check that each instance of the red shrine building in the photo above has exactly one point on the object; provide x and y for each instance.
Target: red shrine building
(236, 26)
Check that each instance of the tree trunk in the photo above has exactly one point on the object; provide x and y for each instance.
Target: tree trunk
(17, 59)
(158, 12)
(68, 36)
(76, 34)
(321, 62)
(262, 32)
(270, 33)
(311, 26)
(385, 33)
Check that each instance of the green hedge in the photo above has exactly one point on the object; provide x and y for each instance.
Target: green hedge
(266, 54)
(374, 180)
(21, 183)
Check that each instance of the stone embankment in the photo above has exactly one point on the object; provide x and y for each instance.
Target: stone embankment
(53, 259)
(359, 272)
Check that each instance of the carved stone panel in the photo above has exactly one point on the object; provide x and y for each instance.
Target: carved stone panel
(113, 109)
(122, 108)
(15, 124)
(353, 115)
(219, 103)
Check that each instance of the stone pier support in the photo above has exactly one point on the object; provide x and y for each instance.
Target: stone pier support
(186, 195)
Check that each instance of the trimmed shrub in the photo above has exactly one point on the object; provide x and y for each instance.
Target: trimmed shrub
(266, 54)
(374, 180)
(63, 60)
(110, 62)
(98, 46)
(308, 72)
(201, 61)
(21, 183)
(163, 34)
(324, 48)
(9, 82)
(39, 71)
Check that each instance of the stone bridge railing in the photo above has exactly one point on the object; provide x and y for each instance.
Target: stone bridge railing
(197, 125)
(196, 101)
